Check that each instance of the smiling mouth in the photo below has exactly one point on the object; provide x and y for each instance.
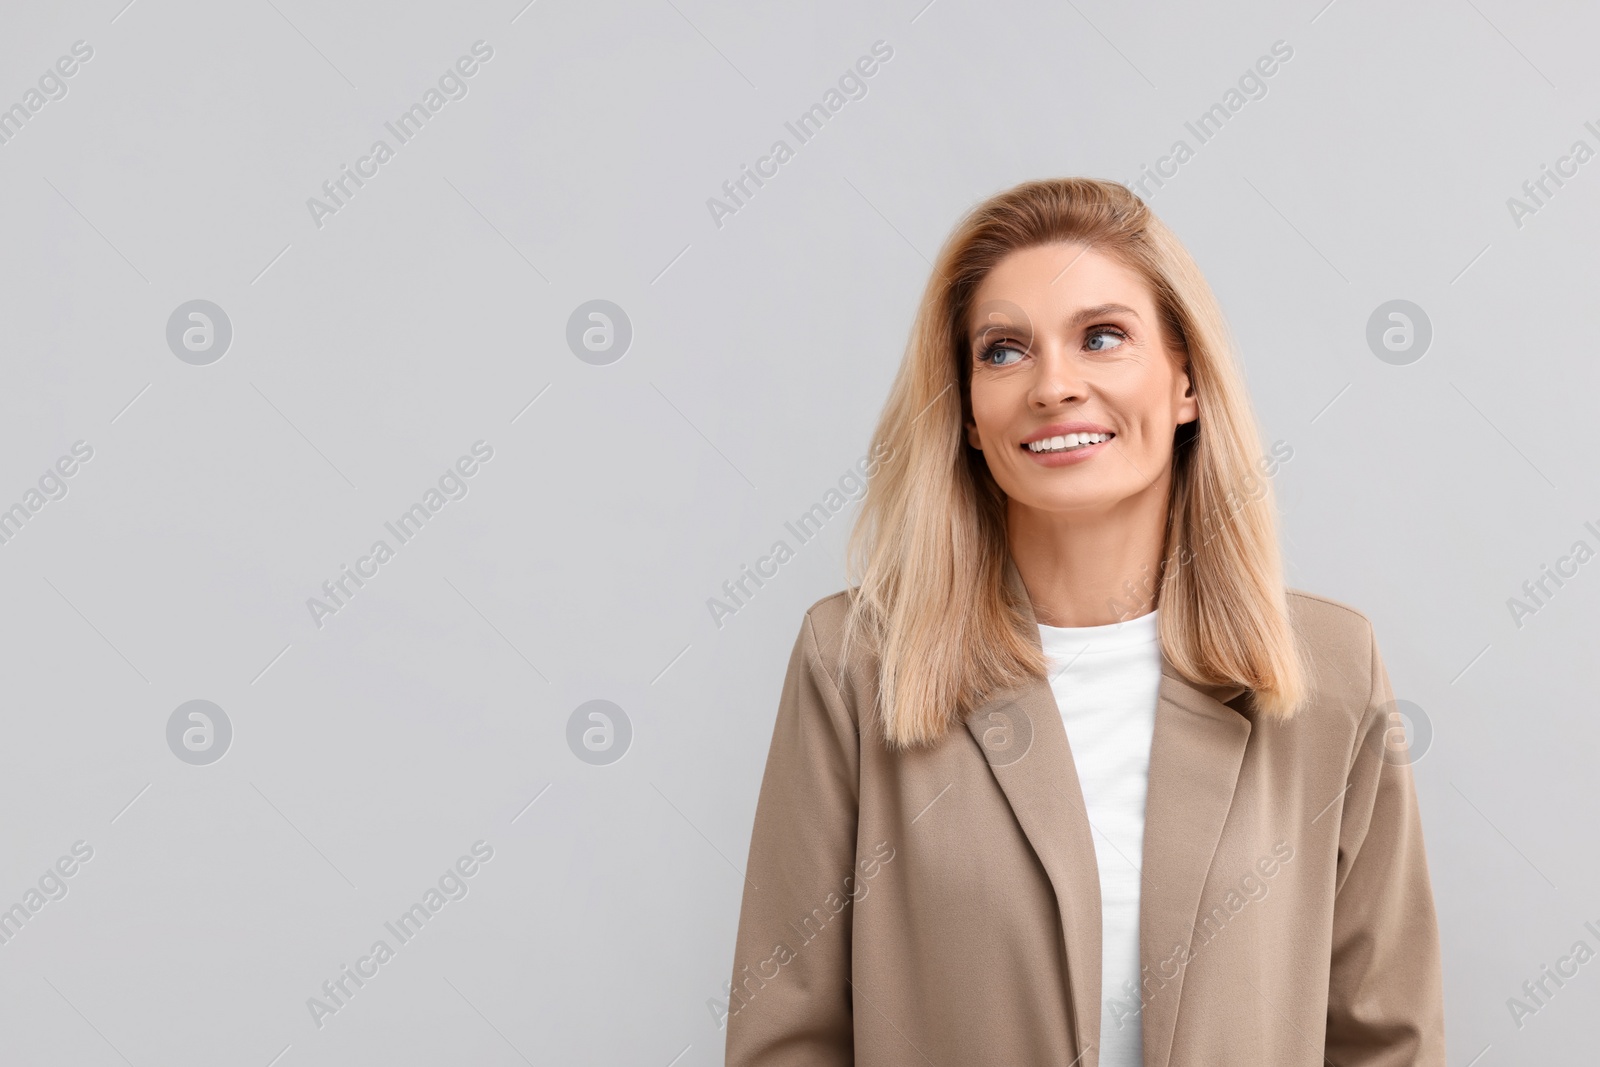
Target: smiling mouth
(1070, 442)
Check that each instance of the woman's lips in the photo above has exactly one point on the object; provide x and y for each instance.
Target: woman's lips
(1062, 459)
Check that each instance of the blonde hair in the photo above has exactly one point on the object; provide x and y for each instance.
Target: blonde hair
(928, 553)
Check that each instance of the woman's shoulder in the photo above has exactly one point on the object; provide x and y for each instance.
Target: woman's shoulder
(824, 624)
(1340, 643)
(831, 609)
(1337, 640)
(826, 618)
(1329, 626)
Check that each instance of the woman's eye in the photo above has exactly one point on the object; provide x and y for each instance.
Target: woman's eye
(1116, 337)
(990, 353)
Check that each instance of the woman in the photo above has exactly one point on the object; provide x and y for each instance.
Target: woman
(1068, 776)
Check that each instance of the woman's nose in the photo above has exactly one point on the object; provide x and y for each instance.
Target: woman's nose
(1057, 378)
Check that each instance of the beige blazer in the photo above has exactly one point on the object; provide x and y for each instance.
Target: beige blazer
(943, 908)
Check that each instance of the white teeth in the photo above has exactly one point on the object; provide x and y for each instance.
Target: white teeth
(1067, 442)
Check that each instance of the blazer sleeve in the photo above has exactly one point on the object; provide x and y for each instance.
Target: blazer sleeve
(1385, 1000)
(790, 998)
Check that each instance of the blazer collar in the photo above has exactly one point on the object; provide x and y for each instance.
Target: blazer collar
(1196, 752)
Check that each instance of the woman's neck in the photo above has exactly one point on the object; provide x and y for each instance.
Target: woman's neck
(1084, 569)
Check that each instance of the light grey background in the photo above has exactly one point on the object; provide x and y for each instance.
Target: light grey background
(432, 309)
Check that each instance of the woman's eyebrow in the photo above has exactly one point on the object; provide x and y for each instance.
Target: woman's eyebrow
(976, 334)
(981, 330)
(1084, 314)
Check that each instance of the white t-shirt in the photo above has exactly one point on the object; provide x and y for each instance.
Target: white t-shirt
(1107, 682)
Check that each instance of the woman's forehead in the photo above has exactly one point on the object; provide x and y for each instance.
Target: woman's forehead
(1054, 283)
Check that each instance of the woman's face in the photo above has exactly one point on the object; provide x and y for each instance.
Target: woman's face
(1066, 340)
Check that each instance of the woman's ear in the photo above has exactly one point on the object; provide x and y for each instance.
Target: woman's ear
(972, 435)
(1188, 403)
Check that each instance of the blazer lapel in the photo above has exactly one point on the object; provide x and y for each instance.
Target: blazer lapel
(1195, 758)
(1022, 735)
